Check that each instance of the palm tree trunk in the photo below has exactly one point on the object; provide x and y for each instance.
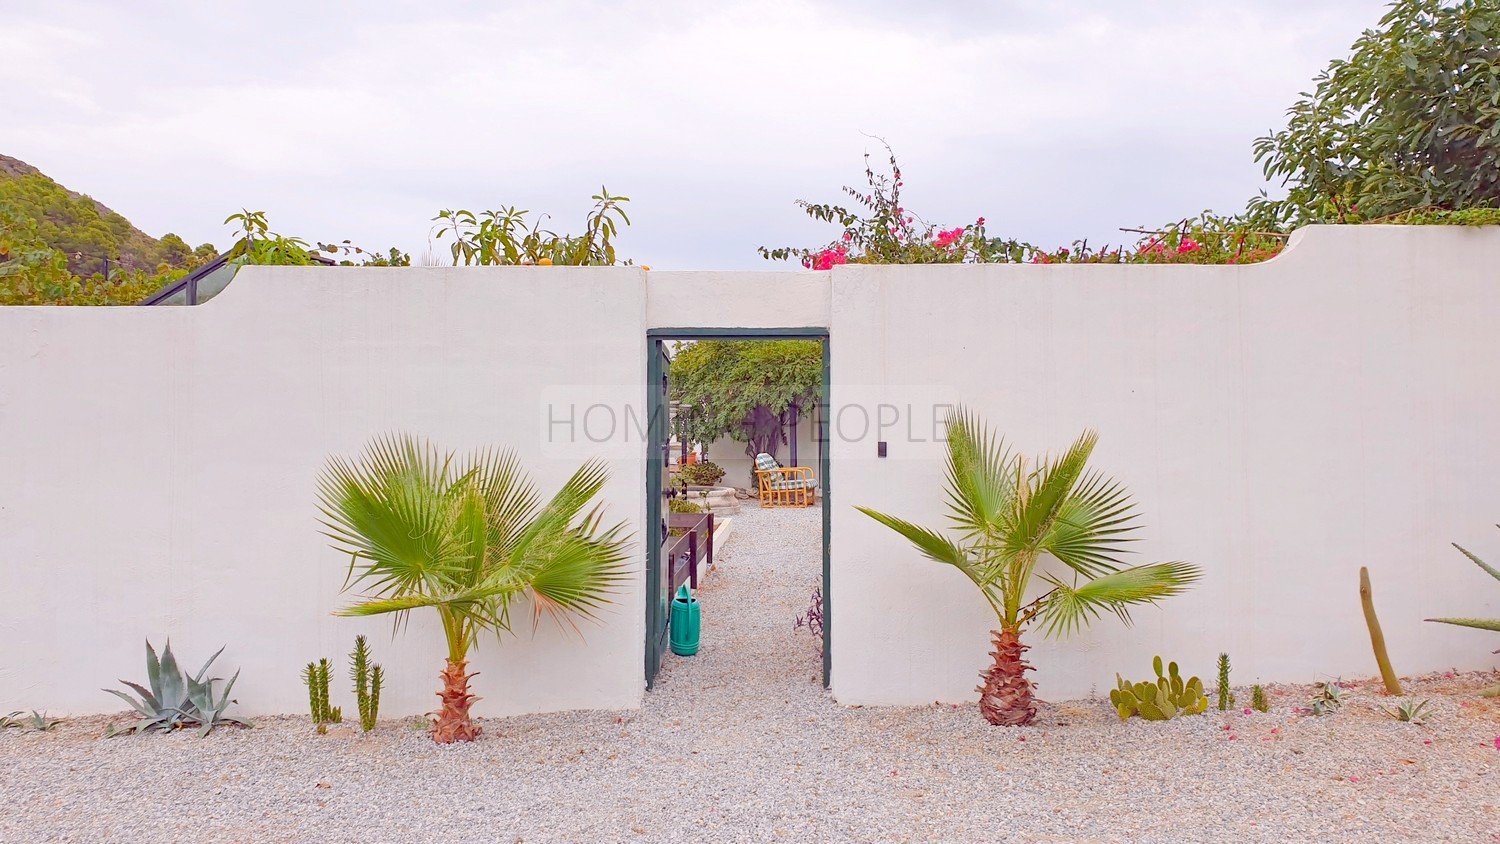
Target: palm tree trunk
(1005, 698)
(453, 722)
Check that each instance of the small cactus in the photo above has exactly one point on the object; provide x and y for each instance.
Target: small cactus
(367, 682)
(1226, 697)
(1258, 700)
(316, 675)
(1163, 700)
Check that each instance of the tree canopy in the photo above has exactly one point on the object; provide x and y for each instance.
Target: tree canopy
(1410, 120)
(743, 388)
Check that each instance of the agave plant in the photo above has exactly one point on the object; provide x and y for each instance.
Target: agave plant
(11, 719)
(1329, 698)
(467, 536)
(42, 722)
(175, 700)
(1477, 623)
(1008, 513)
(1409, 711)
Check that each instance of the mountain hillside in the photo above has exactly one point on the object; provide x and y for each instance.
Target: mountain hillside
(83, 229)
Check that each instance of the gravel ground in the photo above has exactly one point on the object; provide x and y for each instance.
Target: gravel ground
(740, 743)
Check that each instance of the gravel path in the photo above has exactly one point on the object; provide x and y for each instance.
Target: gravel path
(740, 743)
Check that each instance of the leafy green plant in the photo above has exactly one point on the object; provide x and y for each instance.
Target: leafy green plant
(1226, 696)
(682, 505)
(504, 237)
(1163, 700)
(1008, 512)
(257, 244)
(706, 473)
(175, 700)
(1409, 711)
(316, 676)
(466, 536)
(1410, 119)
(1329, 698)
(1258, 700)
(1492, 624)
(368, 680)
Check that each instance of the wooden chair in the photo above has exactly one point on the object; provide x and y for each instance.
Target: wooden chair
(784, 486)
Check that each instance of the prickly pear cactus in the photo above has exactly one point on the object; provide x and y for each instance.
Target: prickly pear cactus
(1163, 700)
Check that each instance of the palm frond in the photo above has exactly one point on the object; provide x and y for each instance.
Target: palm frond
(579, 573)
(938, 548)
(1049, 488)
(392, 512)
(564, 508)
(981, 479)
(1092, 526)
(511, 500)
(1069, 608)
(466, 537)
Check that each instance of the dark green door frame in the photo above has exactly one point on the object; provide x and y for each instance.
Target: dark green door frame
(659, 435)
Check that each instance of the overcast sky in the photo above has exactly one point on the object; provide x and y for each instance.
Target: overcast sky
(1055, 121)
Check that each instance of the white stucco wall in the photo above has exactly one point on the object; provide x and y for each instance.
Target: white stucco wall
(737, 300)
(157, 472)
(1281, 424)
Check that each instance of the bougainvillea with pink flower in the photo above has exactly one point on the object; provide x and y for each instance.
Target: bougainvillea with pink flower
(877, 228)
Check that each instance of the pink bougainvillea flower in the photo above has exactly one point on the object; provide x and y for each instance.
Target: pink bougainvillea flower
(1188, 245)
(948, 238)
(1247, 712)
(1354, 779)
(1497, 742)
(979, 222)
(848, 236)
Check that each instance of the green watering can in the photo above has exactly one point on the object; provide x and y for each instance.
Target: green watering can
(685, 623)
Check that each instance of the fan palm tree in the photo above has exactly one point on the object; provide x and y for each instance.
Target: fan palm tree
(1007, 513)
(467, 536)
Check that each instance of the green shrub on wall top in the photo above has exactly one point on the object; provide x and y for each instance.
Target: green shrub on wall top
(1411, 119)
